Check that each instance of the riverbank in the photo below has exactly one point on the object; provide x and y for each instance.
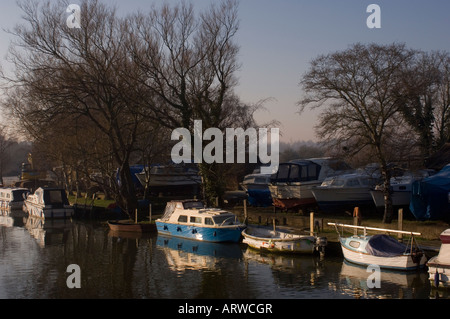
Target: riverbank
(297, 222)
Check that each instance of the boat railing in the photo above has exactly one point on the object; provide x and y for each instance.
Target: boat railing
(366, 228)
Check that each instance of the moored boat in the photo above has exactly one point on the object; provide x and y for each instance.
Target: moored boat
(274, 240)
(171, 179)
(381, 249)
(189, 219)
(344, 191)
(131, 226)
(290, 186)
(12, 197)
(48, 203)
(257, 187)
(439, 266)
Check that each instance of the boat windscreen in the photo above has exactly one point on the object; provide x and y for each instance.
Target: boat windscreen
(227, 219)
(193, 204)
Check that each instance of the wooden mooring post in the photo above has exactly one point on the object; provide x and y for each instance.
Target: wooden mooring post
(311, 223)
(400, 224)
(356, 219)
(245, 212)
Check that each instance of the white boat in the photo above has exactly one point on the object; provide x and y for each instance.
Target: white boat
(173, 179)
(347, 190)
(290, 187)
(381, 249)
(439, 266)
(49, 203)
(189, 219)
(274, 240)
(12, 197)
(401, 188)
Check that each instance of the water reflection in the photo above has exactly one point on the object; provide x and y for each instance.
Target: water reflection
(182, 254)
(393, 284)
(34, 255)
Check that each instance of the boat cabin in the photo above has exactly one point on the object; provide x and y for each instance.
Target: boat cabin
(349, 181)
(307, 170)
(56, 197)
(192, 212)
(12, 197)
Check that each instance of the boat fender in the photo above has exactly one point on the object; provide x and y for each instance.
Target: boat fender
(436, 279)
(416, 256)
(165, 227)
(194, 231)
(179, 229)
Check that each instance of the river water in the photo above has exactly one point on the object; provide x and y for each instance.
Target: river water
(34, 260)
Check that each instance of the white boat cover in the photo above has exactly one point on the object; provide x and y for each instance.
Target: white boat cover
(382, 245)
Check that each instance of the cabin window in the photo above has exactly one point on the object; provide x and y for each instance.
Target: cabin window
(196, 220)
(182, 219)
(294, 174)
(224, 219)
(283, 172)
(208, 221)
(354, 244)
(312, 172)
(353, 182)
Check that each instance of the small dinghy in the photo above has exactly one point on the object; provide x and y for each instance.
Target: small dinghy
(273, 240)
(381, 249)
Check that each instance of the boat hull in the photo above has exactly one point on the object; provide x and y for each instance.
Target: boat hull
(335, 198)
(293, 196)
(399, 198)
(130, 226)
(439, 266)
(294, 244)
(49, 212)
(399, 262)
(210, 234)
(438, 273)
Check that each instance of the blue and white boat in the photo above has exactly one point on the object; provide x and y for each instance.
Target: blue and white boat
(190, 219)
(381, 249)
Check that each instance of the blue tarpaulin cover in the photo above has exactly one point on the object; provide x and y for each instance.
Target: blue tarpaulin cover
(429, 197)
(259, 197)
(384, 246)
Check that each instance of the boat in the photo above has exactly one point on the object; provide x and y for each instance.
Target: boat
(401, 188)
(430, 196)
(439, 265)
(48, 203)
(130, 226)
(381, 249)
(256, 186)
(290, 187)
(274, 240)
(344, 191)
(171, 179)
(12, 197)
(190, 219)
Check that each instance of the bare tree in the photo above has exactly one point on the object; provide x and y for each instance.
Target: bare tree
(80, 73)
(188, 63)
(357, 90)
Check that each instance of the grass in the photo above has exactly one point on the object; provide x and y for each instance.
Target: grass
(98, 202)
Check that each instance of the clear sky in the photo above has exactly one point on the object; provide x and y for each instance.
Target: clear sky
(278, 39)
